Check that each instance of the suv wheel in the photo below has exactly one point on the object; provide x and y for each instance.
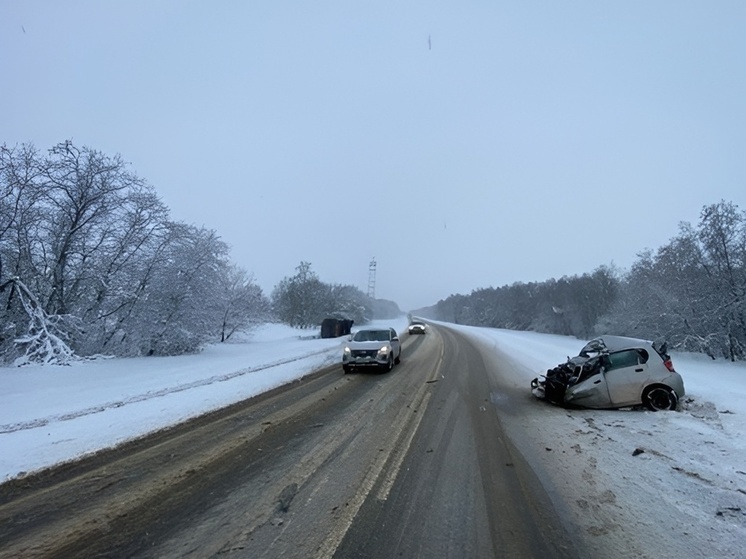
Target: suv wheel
(389, 364)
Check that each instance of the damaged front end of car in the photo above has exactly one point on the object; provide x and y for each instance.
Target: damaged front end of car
(553, 386)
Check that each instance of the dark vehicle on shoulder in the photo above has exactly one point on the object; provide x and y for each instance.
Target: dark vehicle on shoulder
(614, 372)
(333, 327)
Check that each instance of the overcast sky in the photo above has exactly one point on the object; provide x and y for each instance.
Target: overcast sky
(460, 144)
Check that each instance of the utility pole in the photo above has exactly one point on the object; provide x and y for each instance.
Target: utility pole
(372, 279)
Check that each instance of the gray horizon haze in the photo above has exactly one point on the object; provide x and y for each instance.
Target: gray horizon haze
(461, 145)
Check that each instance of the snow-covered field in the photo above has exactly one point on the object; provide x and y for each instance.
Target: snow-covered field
(53, 414)
(675, 480)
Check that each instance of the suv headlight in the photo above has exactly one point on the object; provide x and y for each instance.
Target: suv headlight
(384, 351)
(347, 351)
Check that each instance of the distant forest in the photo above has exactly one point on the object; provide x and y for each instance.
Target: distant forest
(690, 292)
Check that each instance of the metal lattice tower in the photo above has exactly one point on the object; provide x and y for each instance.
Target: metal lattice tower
(372, 279)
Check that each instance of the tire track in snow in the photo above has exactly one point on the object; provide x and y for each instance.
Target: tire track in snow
(41, 422)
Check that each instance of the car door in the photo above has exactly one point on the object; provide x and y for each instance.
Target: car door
(590, 392)
(626, 373)
(395, 343)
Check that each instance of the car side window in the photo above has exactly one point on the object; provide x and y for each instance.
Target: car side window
(626, 358)
(643, 355)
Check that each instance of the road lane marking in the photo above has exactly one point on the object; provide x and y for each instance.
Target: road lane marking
(407, 428)
(401, 450)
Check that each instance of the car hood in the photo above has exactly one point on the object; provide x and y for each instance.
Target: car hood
(366, 345)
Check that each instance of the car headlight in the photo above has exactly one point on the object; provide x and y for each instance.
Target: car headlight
(384, 351)
(347, 351)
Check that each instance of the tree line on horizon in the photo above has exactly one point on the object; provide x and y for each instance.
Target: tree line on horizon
(690, 292)
(92, 264)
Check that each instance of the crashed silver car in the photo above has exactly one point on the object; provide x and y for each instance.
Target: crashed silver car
(614, 372)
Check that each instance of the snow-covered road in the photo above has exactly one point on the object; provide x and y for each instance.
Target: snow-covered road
(638, 481)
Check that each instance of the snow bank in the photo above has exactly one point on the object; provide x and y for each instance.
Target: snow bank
(53, 414)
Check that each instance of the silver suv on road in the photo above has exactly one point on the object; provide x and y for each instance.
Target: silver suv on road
(372, 347)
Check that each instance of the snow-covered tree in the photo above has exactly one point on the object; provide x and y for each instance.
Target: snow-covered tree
(722, 234)
(179, 310)
(45, 339)
(303, 300)
(299, 300)
(89, 257)
(242, 303)
(691, 290)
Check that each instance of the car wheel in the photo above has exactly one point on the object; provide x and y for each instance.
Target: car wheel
(389, 364)
(398, 358)
(347, 368)
(660, 398)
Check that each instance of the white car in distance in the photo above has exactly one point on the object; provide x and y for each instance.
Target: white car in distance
(417, 327)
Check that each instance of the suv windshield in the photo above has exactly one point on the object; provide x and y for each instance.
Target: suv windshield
(371, 336)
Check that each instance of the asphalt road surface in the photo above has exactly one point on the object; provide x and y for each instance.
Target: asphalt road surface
(411, 463)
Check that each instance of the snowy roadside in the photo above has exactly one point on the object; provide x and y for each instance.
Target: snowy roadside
(53, 414)
(637, 483)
